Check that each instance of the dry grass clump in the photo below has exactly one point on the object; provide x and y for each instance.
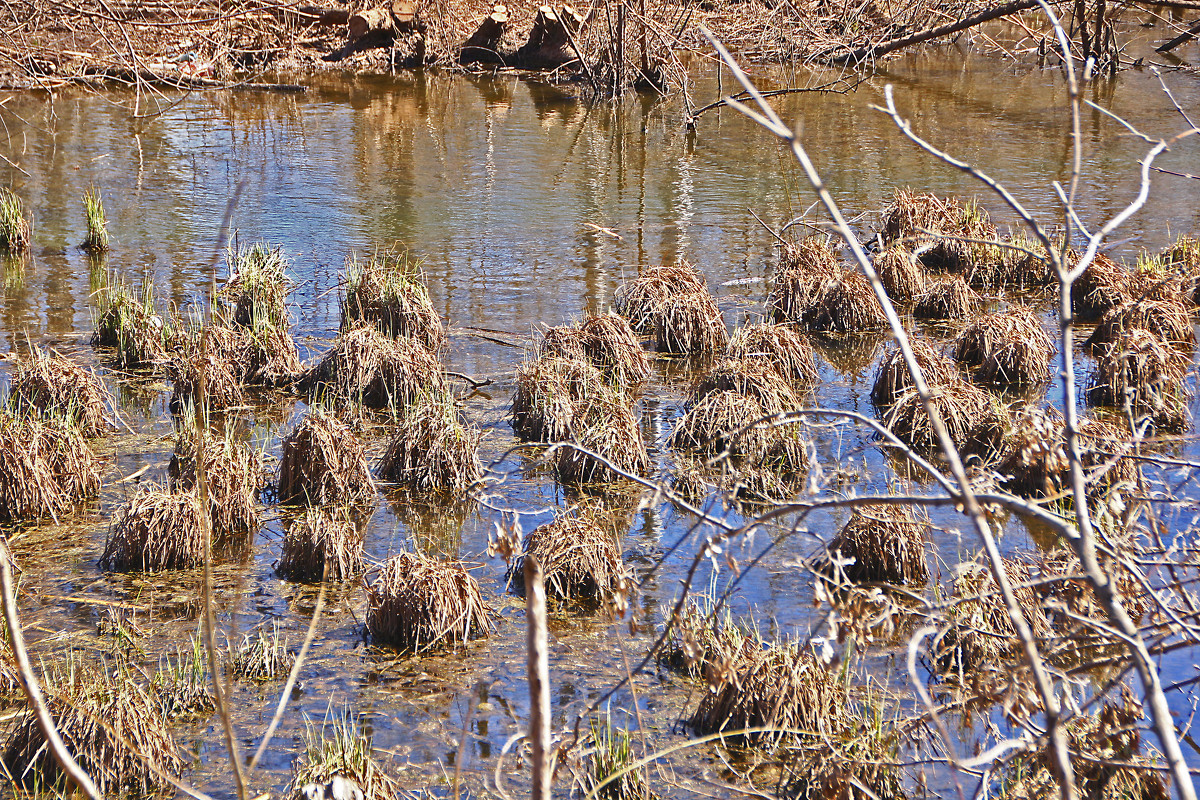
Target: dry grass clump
(700, 641)
(610, 770)
(1010, 348)
(1145, 372)
(844, 303)
(182, 684)
(319, 538)
(1034, 460)
(612, 345)
(1070, 597)
(579, 558)
(803, 271)
(892, 377)
(418, 603)
(257, 286)
(367, 368)
(884, 543)
(156, 530)
(51, 385)
(921, 217)
(46, 467)
(433, 448)
(563, 341)
(261, 656)
(233, 476)
(324, 463)
(1023, 264)
(974, 419)
(14, 224)
(787, 351)
(1169, 320)
(549, 390)
(221, 367)
(113, 726)
(266, 355)
(947, 297)
(900, 273)
(389, 292)
(603, 423)
(1103, 286)
(690, 324)
(129, 324)
(641, 300)
(337, 750)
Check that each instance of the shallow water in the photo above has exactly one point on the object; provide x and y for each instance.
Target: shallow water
(525, 208)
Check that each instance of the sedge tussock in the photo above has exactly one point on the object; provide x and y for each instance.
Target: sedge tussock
(884, 543)
(603, 423)
(750, 378)
(95, 241)
(340, 748)
(947, 297)
(270, 355)
(609, 767)
(51, 385)
(844, 303)
(1070, 599)
(129, 323)
(1008, 349)
(114, 726)
(1017, 262)
(563, 341)
(1183, 256)
(578, 557)
(690, 324)
(974, 420)
(803, 271)
(892, 376)
(433, 448)
(182, 682)
(783, 348)
(366, 367)
(318, 538)
(14, 224)
(641, 300)
(418, 603)
(701, 642)
(261, 655)
(900, 273)
(46, 467)
(324, 463)
(612, 345)
(1103, 286)
(156, 530)
(257, 286)
(549, 391)
(1169, 320)
(915, 218)
(233, 475)
(219, 361)
(1033, 461)
(389, 292)
(1141, 370)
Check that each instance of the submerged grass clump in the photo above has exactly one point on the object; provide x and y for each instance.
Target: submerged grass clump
(340, 748)
(641, 300)
(603, 423)
(1033, 461)
(883, 543)
(433, 448)
(324, 463)
(690, 324)
(779, 346)
(804, 269)
(129, 323)
(368, 368)
(418, 603)
(389, 292)
(549, 391)
(1141, 370)
(900, 273)
(947, 297)
(233, 476)
(156, 530)
(95, 241)
(1169, 320)
(46, 467)
(1007, 349)
(50, 385)
(261, 655)
(578, 557)
(321, 539)
(974, 419)
(14, 224)
(892, 376)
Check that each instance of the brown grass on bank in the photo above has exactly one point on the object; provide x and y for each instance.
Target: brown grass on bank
(1034, 461)
(323, 463)
(1145, 372)
(884, 543)
(549, 390)
(389, 292)
(233, 474)
(51, 385)
(690, 324)
(803, 271)
(947, 297)
(433, 448)
(156, 530)
(1103, 286)
(113, 726)
(892, 377)
(578, 557)
(974, 419)
(900, 273)
(46, 467)
(366, 367)
(1169, 320)
(943, 222)
(845, 303)
(779, 346)
(320, 537)
(1008, 349)
(418, 603)
(602, 422)
(641, 300)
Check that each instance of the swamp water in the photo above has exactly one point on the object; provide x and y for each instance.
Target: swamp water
(525, 209)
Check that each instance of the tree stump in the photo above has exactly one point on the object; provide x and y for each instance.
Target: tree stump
(549, 43)
(484, 44)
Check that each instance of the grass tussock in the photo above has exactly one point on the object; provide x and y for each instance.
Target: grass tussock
(1007, 349)
(1169, 320)
(389, 292)
(233, 474)
(257, 286)
(14, 224)
(218, 362)
(95, 241)
(548, 394)
(418, 603)
(433, 448)
(690, 324)
(368, 368)
(579, 558)
(892, 377)
(261, 655)
(46, 467)
(921, 218)
(882, 544)
(182, 683)
(269, 355)
(50, 385)
(1103, 286)
(804, 268)
(563, 341)
(1023, 264)
(779, 346)
(1070, 597)
(340, 747)
(1145, 373)
(603, 423)
(156, 530)
(641, 300)
(844, 303)
(607, 341)
(947, 297)
(900, 273)
(974, 419)
(318, 539)
(127, 321)
(1033, 461)
(609, 764)
(324, 463)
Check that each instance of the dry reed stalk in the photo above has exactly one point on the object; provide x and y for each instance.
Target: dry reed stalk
(318, 538)
(51, 385)
(641, 300)
(156, 530)
(234, 474)
(578, 557)
(900, 273)
(389, 292)
(323, 463)
(892, 377)
(257, 286)
(549, 390)
(690, 324)
(1103, 286)
(845, 303)
(779, 346)
(882, 544)
(1033, 461)
(130, 325)
(974, 419)
(603, 422)
(947, 297)
(417, 603)
(1145, 372)
(1010, 348)
(46, 467)
(433, 448)
(1169, 320)
(803, 271)
(365, 367)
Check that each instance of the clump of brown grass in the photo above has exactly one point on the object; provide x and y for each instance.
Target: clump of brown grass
(900, 273)
(417, 603)
(787, 351)
(947, 297)
(892, 377)
(433, 448)
(641, 300)
(1010, 348)
(701, 641)
(182, 684)
(257, 286)
(1022, 264)
(603, 423)
(1033, 461)
(563, 341)
(1169, 320)
(803, 270)
(549, 390)
(612, 345)
(261, 656)
(218, 355)
(883, 543)
(690, 324)
(269, 356)
(974, 419)
(51, 385)
(579, 558)
(1103, 286)
(844, 303)
(1070, 597)
(321, 537)
(156, 530)
(367, 368)
(945, 223)
(389, 292)
(1145, 372)
(233, 476)
(129, 324)
(46, 467)
(323, 463)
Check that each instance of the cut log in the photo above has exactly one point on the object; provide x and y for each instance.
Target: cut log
(484, 44)
(398, 16)
(549, 43)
